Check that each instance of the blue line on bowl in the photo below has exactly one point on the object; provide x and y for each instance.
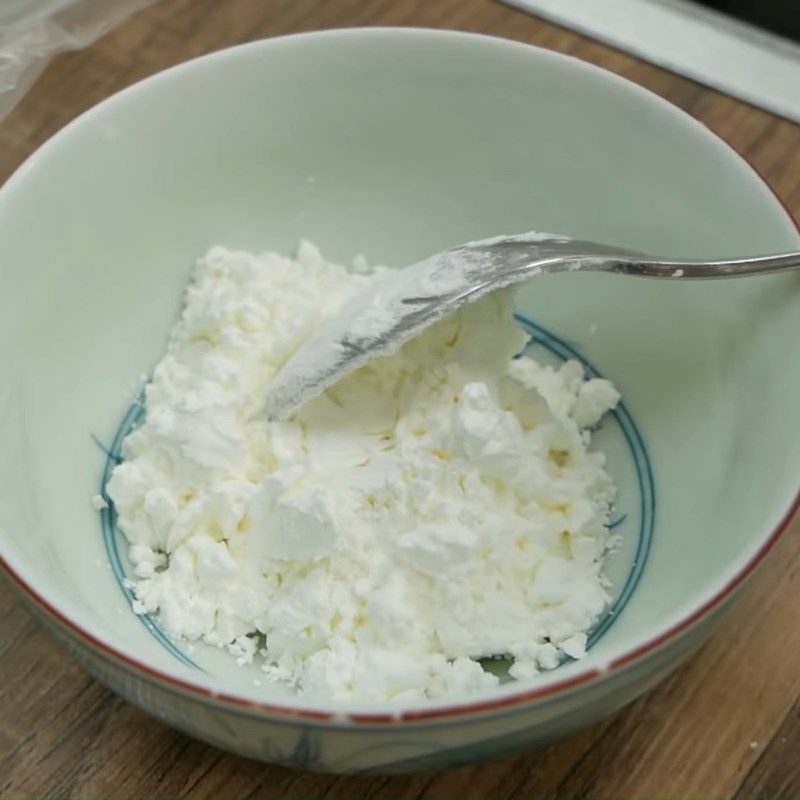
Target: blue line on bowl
(108, 521)
(644, 473)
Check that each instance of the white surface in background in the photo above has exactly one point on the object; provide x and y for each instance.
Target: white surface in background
(712, 48)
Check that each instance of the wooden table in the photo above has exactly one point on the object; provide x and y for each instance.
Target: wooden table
(726, 725)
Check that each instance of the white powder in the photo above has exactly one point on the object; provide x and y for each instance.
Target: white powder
(435, 507)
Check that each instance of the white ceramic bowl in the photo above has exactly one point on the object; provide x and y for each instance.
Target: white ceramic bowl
(395, 144)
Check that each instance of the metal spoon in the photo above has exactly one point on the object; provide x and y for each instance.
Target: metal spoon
(402, 303)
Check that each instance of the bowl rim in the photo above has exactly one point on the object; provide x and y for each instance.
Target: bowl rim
(528, 697)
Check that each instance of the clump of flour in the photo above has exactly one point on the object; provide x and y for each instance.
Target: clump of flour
(438, 506)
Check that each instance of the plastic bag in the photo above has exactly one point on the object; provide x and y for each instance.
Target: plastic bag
(32, 31)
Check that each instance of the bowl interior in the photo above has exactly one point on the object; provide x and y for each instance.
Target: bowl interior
(394, 144)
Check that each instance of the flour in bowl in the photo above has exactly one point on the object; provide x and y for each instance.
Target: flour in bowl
(436, 507)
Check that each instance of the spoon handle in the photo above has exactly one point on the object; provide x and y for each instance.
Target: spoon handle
(734, 268)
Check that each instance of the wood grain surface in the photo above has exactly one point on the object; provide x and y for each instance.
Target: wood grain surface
(726, 725)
